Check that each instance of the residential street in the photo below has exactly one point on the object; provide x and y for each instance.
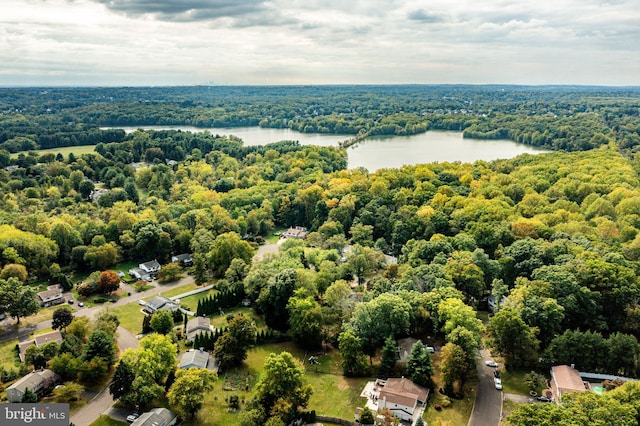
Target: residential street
(102, 402)
(488, 404)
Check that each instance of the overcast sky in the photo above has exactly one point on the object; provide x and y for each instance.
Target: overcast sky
(185, 42)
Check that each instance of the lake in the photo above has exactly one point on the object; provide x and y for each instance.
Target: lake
(379, 152)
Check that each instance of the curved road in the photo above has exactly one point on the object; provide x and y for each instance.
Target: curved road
(103, 401)
(488, 404)
(126, 339)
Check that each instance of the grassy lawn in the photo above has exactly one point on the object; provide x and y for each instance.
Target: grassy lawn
(130, 316)
(333, 394)
(179, 290)
(43, 314)
(273, 238)
(459, 411)
(107, 421)
(6, 351)
(507, 407)
(220, 321)
(65, 151)
(191, 302)
(514, 382)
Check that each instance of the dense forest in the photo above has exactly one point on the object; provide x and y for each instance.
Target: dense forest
(565, 117)
(553, 238)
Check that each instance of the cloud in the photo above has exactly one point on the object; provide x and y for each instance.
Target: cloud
(426, 16)
(188, 10)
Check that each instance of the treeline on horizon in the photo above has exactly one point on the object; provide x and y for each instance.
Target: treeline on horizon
(570, 118)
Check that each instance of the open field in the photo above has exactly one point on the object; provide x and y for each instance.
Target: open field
(107, 421)
(65, 151)
(130, 316)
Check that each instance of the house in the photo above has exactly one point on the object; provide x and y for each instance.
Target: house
(183, 259)
(566, 379)
(97, 193)
(156, 417)
(39, 341)
(491, 302)
(405, 399)
(144, 271)
(51, 296)
(150, 267)
(160, 302)
(299, 232)
(12, 168)
(197, 358)
(40, 382)
(197, 326)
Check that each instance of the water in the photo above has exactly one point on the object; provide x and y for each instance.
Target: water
(382, 151)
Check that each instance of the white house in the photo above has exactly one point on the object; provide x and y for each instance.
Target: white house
(150, 267)
(157, 303)
(299, 232)
(183, 259)
(40, 382)
(197, 358)
(405, 399)
(51, 296)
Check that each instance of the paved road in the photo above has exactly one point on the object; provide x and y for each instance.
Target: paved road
(488, 404)
(103, 401)
(23, 333)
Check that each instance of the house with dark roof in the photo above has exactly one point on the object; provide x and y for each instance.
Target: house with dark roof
(40, 382)
(197, 325)
(157, 303)
(183, 259)
(51, 296)
(156, 417)
(150, 267)
(405, 346)
(39, 340)
(197, 358)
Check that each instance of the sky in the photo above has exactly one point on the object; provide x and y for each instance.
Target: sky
(254, 42)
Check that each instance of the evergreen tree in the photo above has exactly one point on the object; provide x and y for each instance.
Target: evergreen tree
(389, 357)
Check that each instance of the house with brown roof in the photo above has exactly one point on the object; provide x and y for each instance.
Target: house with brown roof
(40, 382)
(566, 379)
(51, 296)
(299, 232)
(405, 399)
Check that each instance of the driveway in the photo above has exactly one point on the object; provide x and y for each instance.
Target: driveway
(488, 404)
(103, 401)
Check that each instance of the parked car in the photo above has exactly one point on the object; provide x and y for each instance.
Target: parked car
(496, 374)
(132, 417)
(498, 383)
(80, 304)
(70, 301)
(543, 399)
(491, 364)
(112, 300)
(431, 349)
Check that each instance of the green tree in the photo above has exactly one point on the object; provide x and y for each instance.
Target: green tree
(281, 384)
(154, 358)
(67, 365)
(29, 396)
(366, 417)
(67, 237)
(231, 348)
(100, 345)
(389, 358)
(62, 317)
(68, 392)
(353, 359)
(170, 272)
(224, 249)
(305, 322)
(189, 390)
(512, 338)
(101, 257)
(122, 380)
(162, 322)
(454, 366)
(17, 299)
(275, 296)
(14, 270)
(419, 365)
